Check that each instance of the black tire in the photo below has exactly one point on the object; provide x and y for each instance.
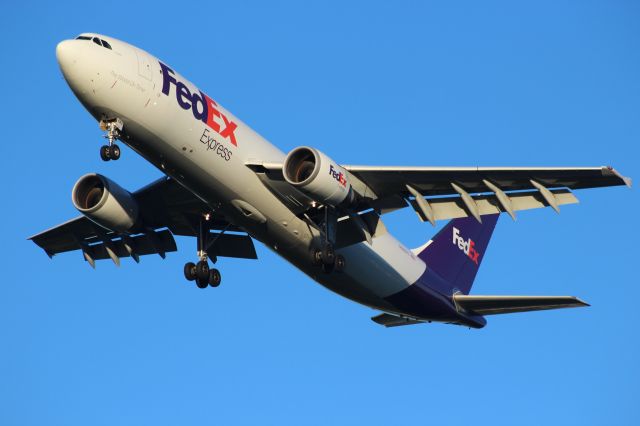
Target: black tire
(202, 283)
(214, 277)
(316, 257)
(328, 255)
(328, 268)
(190, 271)
(114, 152)
(202, 271)
(341, 263)
(105, 153)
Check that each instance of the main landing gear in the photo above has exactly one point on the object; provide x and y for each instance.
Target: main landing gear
(200, 272)
(114, 129)
(326, 256)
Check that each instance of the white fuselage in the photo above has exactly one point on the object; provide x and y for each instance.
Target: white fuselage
(128, 83)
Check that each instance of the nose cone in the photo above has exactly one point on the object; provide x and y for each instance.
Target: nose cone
(64, 54)
(67, 55)
(79, 67)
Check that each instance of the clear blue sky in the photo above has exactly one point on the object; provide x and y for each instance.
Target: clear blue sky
(412, 83)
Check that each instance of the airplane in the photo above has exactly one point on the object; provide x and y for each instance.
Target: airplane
(225, 185)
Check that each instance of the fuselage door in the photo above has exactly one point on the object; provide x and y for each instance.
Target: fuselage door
(144, 65)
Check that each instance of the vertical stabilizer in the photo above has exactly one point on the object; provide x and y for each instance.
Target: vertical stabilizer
(456, 252)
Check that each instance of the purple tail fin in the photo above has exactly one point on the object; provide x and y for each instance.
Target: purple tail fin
(455, 253)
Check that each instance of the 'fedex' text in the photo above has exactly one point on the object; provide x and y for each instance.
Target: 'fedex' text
(339, 176)
(203, 107)
(467, 246)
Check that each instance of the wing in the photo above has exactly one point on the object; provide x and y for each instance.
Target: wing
(387, 181)
(478, 191)
(492, 305)
(166, 209)
(438, 193)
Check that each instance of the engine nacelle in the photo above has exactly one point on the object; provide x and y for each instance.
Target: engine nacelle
(318, 176)
(105, 202)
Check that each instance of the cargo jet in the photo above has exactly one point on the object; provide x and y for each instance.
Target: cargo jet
(225, 185)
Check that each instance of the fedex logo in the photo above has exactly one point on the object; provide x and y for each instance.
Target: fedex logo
(203, 107)
(339, 176)
(465, 246)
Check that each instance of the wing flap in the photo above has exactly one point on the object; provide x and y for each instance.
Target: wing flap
(493, 305)
(159, 242)
(232, 245)
(454, 207)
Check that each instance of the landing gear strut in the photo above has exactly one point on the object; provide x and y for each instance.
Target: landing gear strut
(114, 129)
(200, 272)
(326, 256)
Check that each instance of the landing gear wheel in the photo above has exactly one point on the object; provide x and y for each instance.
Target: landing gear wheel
(316, 257)
(328, 255)
(202, 272)
(327, 259)
(105, 153)
(202, 283)
(214, 277)
(327, 268)
(114, 152)
(190, 271)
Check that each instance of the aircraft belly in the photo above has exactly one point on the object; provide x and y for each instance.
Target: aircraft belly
(385, 266)
(373, 271)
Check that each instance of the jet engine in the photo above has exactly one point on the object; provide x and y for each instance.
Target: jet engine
(105, 202)
(318, 176)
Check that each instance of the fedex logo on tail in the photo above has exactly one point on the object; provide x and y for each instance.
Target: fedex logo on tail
(466, 246)
(203, 107)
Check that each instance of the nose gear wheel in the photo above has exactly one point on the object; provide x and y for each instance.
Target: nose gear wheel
(114, 131)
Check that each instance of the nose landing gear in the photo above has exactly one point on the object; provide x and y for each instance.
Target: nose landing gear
(113, 129)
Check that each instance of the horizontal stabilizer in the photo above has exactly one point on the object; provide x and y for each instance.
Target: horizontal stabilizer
(492, 305)
(389, 320)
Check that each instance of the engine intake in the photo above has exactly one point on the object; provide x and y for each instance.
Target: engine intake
(105, 203)
(318, 176)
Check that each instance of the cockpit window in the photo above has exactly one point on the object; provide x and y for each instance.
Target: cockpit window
(96, 40)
